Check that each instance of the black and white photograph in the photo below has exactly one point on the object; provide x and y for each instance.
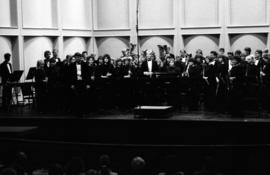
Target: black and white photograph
(134, 87)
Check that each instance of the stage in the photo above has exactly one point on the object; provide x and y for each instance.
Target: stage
(115, 127)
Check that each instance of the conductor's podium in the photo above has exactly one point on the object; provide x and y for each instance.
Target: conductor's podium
(153, 111)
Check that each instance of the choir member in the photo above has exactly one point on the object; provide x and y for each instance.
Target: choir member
(55, 85)
(247, 51)
(221, 52)
(5, 74)
(211, 81)
(252, 76)
(237, 79)
(265, 77)
(55, 57)
(47, 57)
(41, 87)
(222, 68)
(194, 73)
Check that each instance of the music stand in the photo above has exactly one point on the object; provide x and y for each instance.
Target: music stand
(31, 73)
(15, 78)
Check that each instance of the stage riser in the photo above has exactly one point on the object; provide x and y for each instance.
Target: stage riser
(156, 132)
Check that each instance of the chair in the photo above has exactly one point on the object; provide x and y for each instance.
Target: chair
(27, 93)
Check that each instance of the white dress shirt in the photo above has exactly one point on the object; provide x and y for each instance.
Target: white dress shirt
(150, 65)
(79, 71)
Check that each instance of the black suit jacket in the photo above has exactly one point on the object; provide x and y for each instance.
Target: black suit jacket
(4, 72)
(144, 66)
(84, 73)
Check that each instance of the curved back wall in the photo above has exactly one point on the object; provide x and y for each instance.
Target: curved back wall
(28, 27)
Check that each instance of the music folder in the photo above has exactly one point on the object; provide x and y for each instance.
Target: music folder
(31, 73)
(16, 76)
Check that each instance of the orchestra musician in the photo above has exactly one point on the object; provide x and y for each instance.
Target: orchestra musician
(5, 74)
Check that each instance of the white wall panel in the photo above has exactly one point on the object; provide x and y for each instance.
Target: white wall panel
(39, 13)
(248, 12)
(152, 42)
(6, 47)
(112, 46)
(254, 41)
(34, 48)
(111, 14)
(75, 44)
(156, 14)
(76, 14)
(8, 13)
(205, 42)
(201, 12)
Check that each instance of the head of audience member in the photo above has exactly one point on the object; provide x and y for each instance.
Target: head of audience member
(40, 64)
(237, 53)
(247, 51)
(221, 51)
(7, 57)
(47, 54)
(105, 160)
(75, 166)
(150, 55)
(107, 59)
(8, 171)
(137, 165)
(250, 59)
(258, 54)
(91, 172)
(55, 169)
(100, 60)
(199, 52)
(20, 163)
(105, 164)
(84, 54)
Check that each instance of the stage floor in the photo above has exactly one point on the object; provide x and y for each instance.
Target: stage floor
(116, 114)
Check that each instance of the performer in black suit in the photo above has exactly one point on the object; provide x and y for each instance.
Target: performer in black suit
(149, 65)
(265, 78)
(236, 93)
(47, 57)
(210, 81)
(252, 79)
(41, 87)
(194, 71)
(5, 73)
(79, 83)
